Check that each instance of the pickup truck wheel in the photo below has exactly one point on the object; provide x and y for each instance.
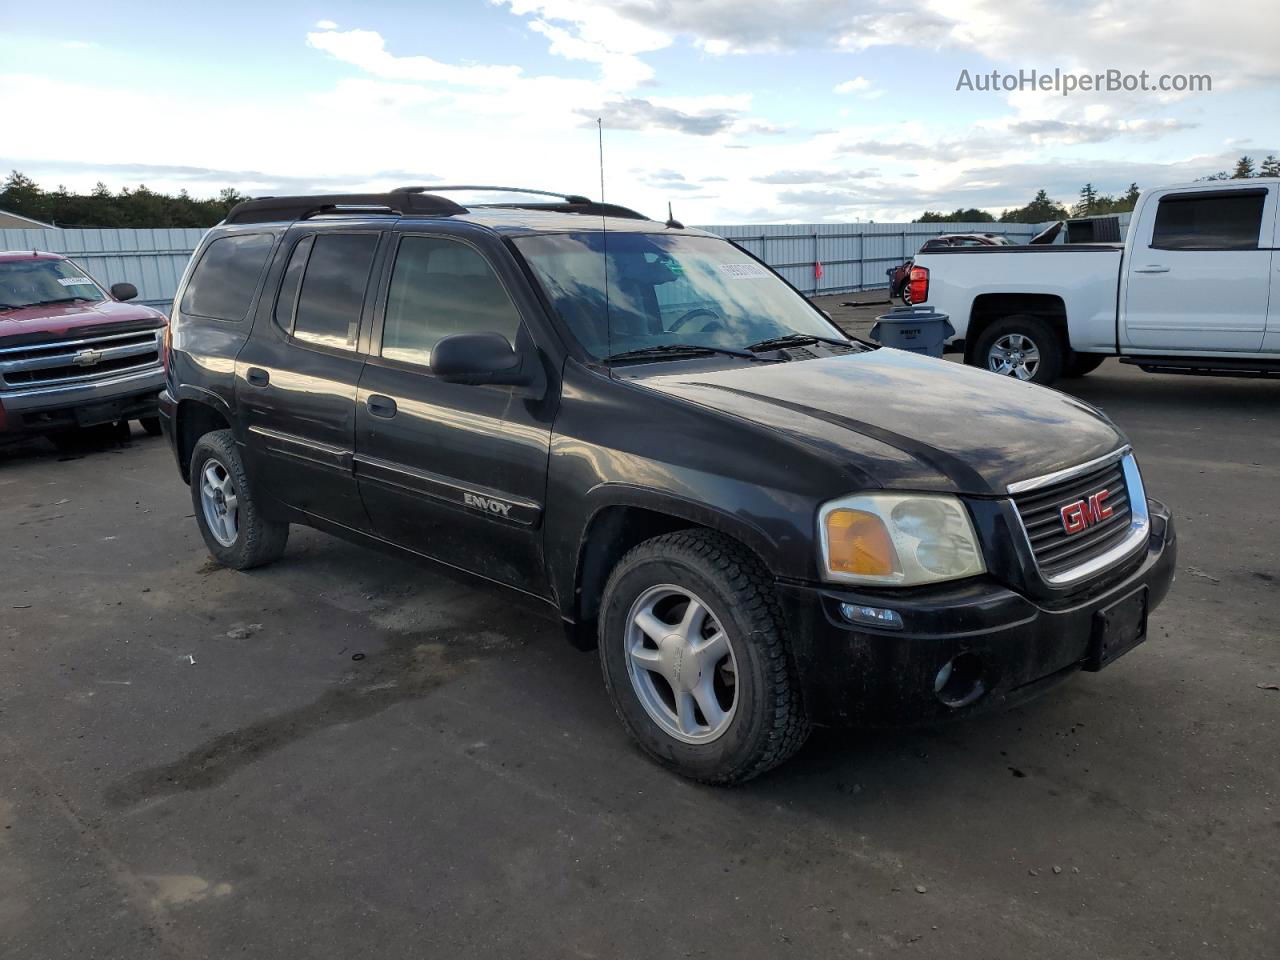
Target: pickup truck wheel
(233, 528)
(151, 425)
(1025, 348)
(1083, 364)
(695, 659)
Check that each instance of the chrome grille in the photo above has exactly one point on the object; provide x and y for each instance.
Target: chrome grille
(1059, 553)
(83, 359)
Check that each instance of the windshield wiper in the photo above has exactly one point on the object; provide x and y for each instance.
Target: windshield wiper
(663, 350)
(45, 303)
(796, 340)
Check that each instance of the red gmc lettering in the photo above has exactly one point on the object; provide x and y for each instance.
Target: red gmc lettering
(1083, 514)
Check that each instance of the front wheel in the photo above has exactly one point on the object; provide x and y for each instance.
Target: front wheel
(695, 658)
(1023, 347)
(1083, 364)
(227, 509)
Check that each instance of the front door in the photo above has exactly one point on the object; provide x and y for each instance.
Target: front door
(296, 377)
(455, 472)
(1198, 273)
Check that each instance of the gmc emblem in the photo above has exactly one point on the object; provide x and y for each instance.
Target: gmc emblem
(1083, 514)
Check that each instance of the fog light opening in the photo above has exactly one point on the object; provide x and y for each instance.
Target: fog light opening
(959, 682)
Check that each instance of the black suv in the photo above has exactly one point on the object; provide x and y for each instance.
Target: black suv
(761, 523)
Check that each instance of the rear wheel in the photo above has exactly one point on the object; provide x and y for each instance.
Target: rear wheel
(226, 507)
(1023, 347)
(695, 659)
(151, 425)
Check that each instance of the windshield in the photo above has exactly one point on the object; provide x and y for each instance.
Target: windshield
(25, 283)
(675, 289)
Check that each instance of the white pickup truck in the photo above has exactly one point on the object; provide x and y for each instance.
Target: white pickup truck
(1195, 288)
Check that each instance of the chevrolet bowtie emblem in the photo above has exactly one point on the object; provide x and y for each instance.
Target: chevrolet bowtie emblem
(87, 358)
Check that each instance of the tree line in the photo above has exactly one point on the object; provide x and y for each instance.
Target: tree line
(138, 207)
(1042, 209)
(141, 207)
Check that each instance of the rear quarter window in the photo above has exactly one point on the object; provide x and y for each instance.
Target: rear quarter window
(223, 283)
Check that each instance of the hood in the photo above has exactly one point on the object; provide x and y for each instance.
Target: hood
(55, 319)
(907, 421)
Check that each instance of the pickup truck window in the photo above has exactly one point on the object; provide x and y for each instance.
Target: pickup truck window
(333, 288)
(441, 287)
(225, 278)
(664, 289)
(28, 283)
(1214, 221)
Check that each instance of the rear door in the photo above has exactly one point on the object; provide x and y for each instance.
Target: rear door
(296, 377)
(455, 472)
(1199, 274)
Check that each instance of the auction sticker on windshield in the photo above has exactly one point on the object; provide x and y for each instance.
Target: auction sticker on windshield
(743, 271)
(75, 281)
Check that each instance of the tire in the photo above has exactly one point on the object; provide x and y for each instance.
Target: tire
(763, 718)
(1017, 337)
(151, 425)
(1083, 364)
(249, 540)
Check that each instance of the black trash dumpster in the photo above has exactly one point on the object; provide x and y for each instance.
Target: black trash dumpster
(917, 329)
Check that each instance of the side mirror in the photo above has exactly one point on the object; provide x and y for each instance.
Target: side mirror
(124, 291)
(477, 358)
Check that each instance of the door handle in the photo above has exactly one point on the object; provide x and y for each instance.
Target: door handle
(380, 406)
(1151, 268)
(257, 377)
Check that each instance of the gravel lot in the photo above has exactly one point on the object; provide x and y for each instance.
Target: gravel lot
(345, 755)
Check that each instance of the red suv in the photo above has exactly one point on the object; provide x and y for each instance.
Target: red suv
(73, 355)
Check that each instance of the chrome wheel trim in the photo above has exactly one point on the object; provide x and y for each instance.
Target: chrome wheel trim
(220, 501)
(1014, 355)
(681, 664)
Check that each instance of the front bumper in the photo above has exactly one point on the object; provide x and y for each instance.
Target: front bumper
(857, 675)
(126, 397)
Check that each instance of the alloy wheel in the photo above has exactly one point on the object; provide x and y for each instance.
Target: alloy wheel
(221, 502)
(1014, 355)
(681, 664)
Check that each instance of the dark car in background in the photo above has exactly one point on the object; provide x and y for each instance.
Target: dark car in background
(900, 276)
(761, 523)
(73, 355)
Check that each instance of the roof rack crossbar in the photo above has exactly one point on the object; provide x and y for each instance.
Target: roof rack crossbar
(433, 188)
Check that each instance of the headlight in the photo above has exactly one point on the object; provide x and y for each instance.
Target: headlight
(902, 540)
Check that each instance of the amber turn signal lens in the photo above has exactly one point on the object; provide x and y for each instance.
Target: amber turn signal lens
(857, 542)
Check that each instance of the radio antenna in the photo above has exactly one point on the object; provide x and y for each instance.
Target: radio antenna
(604, 248)
(600, 142)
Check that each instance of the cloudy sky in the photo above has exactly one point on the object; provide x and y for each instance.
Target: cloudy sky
(736, 111)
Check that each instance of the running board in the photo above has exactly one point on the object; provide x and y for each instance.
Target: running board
(1207, 366)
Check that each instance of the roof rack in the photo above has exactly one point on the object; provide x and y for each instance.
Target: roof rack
(272, 209)
(569, 202)
(410, 201)
(442, 188)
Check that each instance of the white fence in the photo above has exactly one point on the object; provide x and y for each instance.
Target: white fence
(854, 256)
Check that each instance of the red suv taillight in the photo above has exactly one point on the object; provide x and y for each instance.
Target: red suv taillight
(919, 284)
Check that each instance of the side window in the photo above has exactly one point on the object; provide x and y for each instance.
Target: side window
(224, 280)
(1217, 221)
(441, 287)
(291, 283)
(333, 288)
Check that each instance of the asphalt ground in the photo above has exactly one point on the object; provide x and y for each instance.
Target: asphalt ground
(346, 755)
